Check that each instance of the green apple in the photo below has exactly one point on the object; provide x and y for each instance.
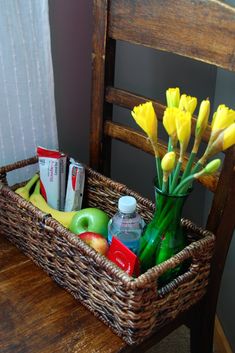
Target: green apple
(90, 220)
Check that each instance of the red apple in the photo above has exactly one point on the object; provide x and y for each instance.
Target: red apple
(96, 241)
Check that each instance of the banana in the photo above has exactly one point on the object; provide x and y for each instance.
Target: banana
(24, 190)
(62, 217)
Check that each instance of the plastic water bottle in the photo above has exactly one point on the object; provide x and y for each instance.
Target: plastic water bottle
(126, 224)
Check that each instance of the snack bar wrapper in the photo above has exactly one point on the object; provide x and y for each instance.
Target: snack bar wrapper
(75, 186)
(52, 168)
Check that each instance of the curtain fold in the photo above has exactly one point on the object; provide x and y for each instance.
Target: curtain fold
(27, 106)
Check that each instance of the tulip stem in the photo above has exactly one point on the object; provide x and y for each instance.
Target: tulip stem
(159, 171)
(165, 182)
(189, 165)
(170, 148)
(197, 167)
(176, 176)
(181, 188)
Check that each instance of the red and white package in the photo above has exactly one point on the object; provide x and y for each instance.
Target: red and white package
(52, 168)
(123, 257)
(75, 186)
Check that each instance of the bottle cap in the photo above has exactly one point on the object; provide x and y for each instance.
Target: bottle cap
(127, 204)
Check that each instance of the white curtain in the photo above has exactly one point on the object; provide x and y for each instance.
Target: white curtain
(27, 107)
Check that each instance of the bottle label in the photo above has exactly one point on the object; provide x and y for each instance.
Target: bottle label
(133, 244)
(128, 231)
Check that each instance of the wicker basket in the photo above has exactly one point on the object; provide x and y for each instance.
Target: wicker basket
(132, 307)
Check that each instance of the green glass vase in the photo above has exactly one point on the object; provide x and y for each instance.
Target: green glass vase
(163, 236)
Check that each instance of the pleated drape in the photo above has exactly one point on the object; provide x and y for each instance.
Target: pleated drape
(27, 107)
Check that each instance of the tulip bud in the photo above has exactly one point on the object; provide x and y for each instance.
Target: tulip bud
(209, 169)
(202, 121)
(183, 127)
(203, 117)
(188, 103)
(168, 162)
(212, 167)
(173, 97)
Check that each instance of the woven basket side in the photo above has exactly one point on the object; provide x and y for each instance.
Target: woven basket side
(104, 193)
(18, 165)
(77, 268)
(133, 308)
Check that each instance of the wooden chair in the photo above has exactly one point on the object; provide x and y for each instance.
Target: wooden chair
(204, 31)
(36, 314)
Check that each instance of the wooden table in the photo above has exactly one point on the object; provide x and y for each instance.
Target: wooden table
(36, 315)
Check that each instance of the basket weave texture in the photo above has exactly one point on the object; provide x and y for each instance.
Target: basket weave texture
(132, 307)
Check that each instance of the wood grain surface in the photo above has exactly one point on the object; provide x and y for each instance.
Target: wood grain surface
(207, 35)
(37, 316)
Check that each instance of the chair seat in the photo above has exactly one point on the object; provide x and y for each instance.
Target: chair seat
(39, 316)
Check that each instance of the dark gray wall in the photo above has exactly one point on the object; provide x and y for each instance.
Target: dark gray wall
(71, 26)
(143, 71)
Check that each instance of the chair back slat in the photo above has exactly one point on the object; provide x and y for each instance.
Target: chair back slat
(168, 25)
(128, 100)
(99, 47)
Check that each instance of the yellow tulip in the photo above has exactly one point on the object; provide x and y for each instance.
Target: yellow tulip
(225, 140)
(229, 137)
(183, 128)
(168, 162)
(173, 97)
(222, 118)
(169, 122)
(145, 117)
(188, 103)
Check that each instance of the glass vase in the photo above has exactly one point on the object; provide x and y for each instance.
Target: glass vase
(163, 236)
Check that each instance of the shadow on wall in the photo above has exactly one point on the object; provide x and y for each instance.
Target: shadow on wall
(71, 32)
